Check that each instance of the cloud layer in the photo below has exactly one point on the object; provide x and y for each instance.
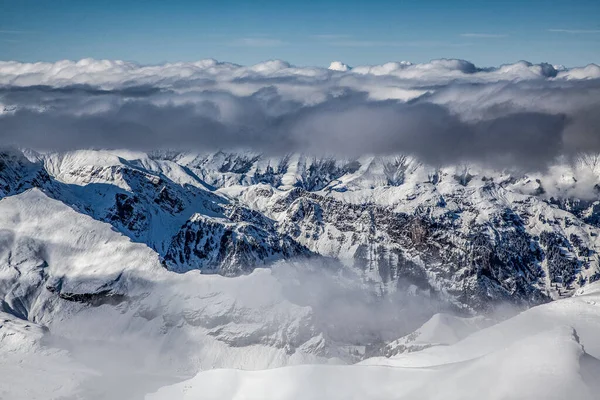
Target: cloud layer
(444, 111)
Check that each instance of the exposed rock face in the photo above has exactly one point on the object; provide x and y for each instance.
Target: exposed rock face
(470, 235)
(231, 247)
(17, 173)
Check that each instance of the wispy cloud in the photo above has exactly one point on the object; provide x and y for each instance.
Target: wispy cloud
(371, 43)
(14, 32)
(575, 31)
(13, 35)
(344, 40)
(484, 35)
(257, 42)
(330, 36)
(361, 43)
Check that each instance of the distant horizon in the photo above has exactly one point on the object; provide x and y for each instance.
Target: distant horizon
(303, 65)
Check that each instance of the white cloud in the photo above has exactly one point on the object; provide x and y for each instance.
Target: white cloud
(591, 71)
(115, 74)
(443, 111)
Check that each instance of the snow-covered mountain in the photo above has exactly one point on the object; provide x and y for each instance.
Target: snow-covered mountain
(116, 270)
(467, 234)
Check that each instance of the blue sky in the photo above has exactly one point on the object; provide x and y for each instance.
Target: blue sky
(302, 32)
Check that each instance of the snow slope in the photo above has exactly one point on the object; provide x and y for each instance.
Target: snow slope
(581, 312)
(440, 330)
(32, 370)
(534, 355)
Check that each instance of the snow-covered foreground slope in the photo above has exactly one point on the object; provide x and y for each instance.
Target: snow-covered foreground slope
(548, 352)
(440, 330)
(31, 370)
